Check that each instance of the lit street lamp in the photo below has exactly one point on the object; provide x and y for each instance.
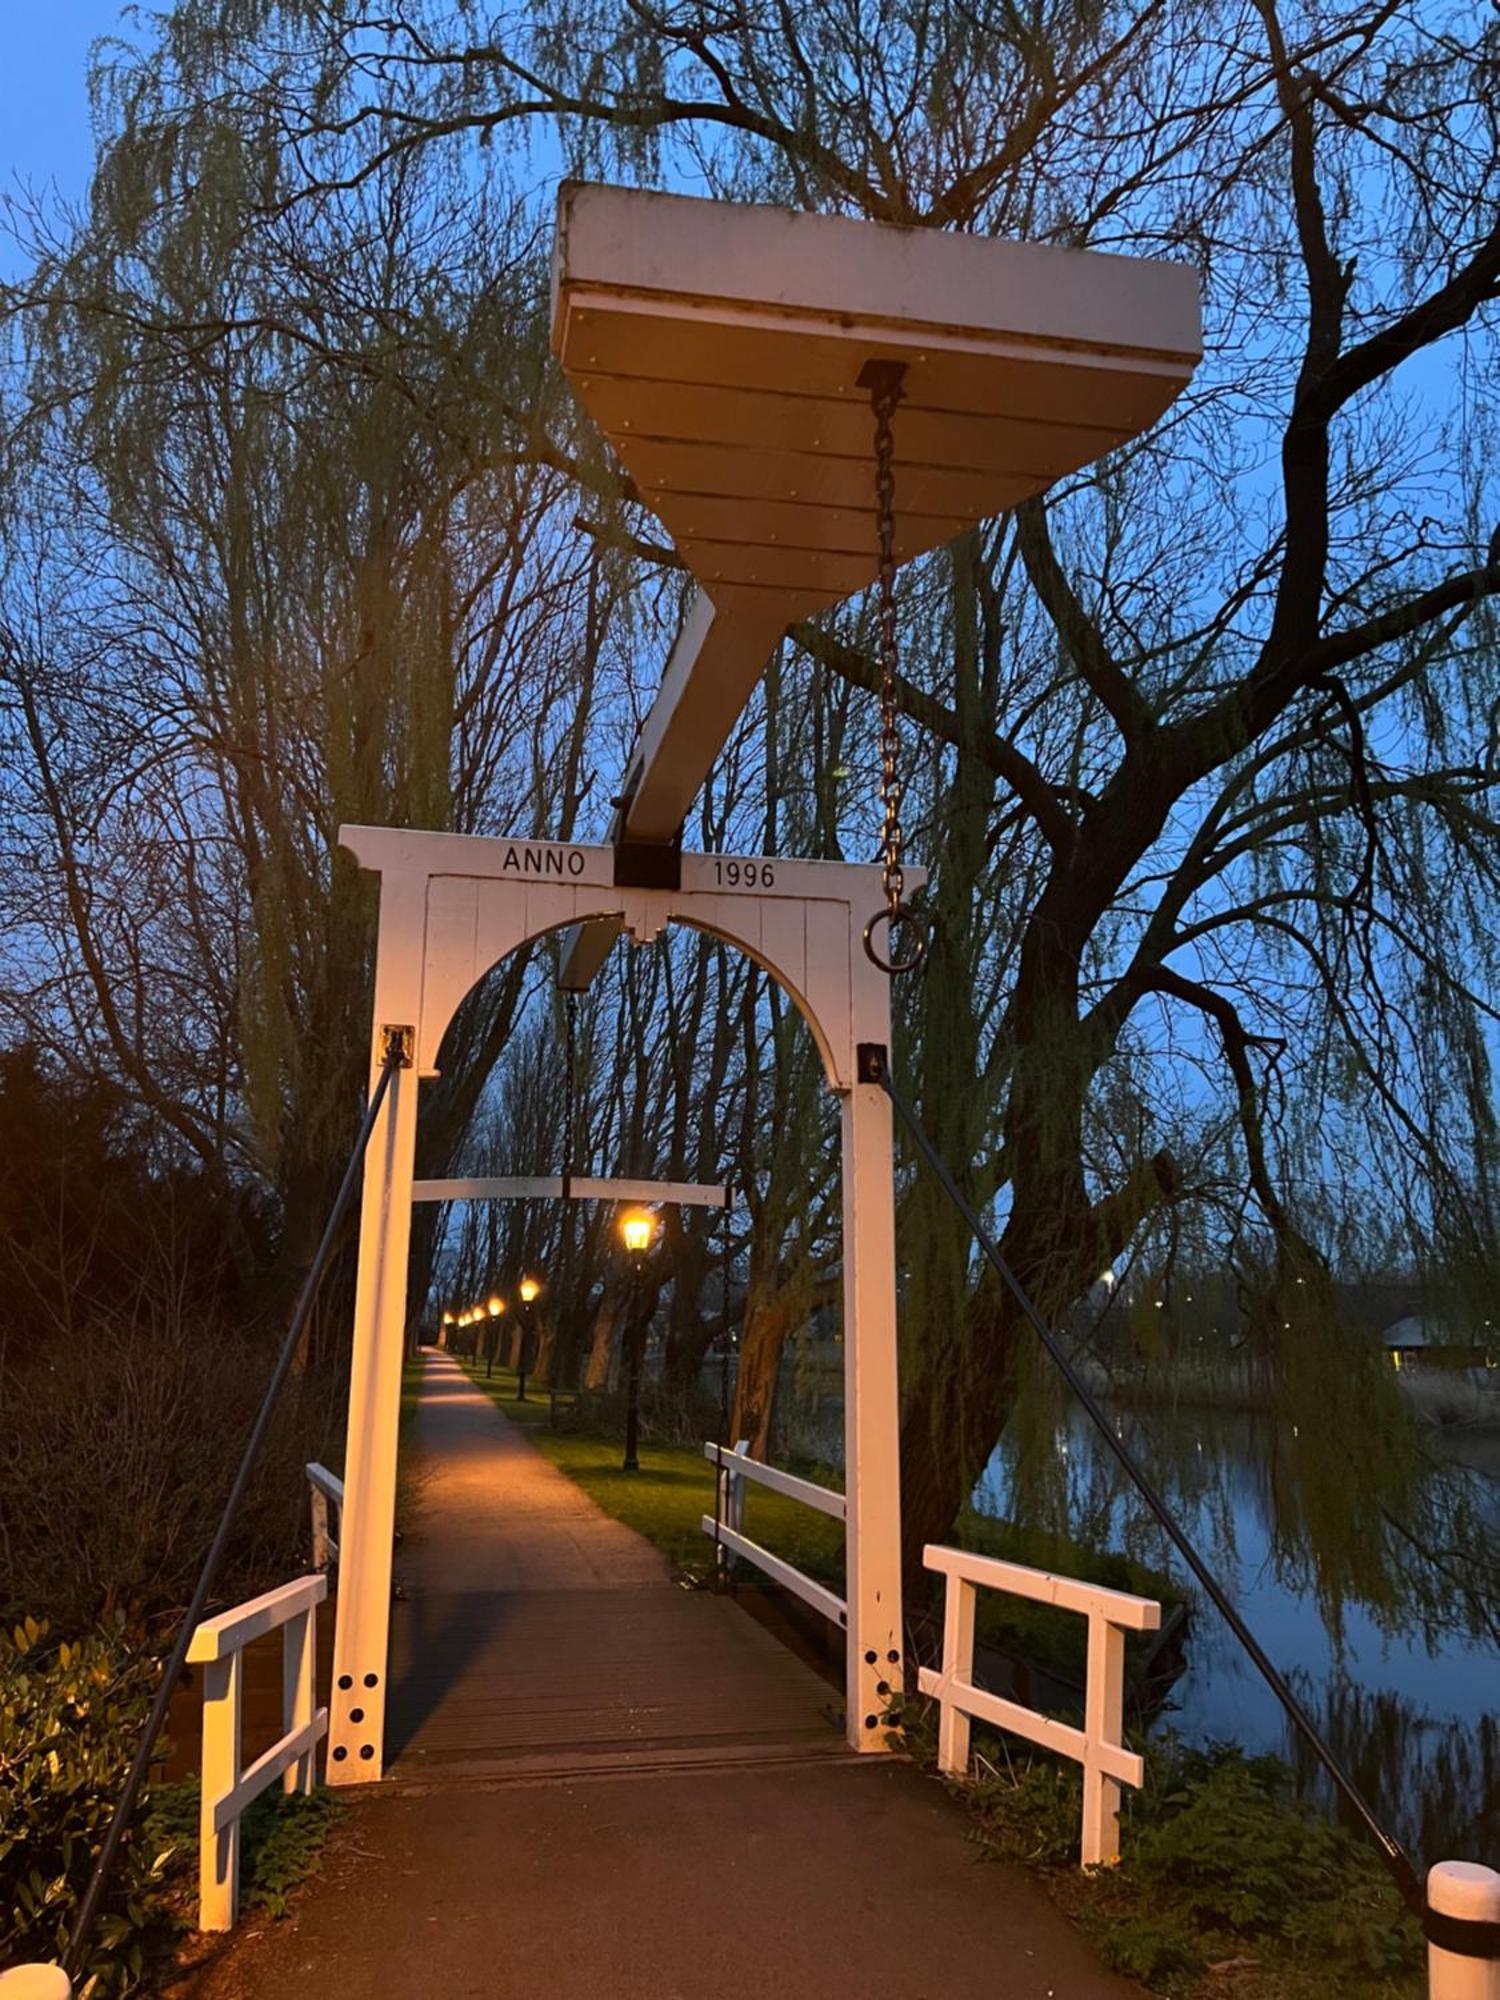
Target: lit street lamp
(638, 1233)
(492, 1336)
(528, 1289)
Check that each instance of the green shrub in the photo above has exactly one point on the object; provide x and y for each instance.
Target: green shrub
(1222, 1865)
(1232, 1849)
(283, 1836)
(70, 1720)
(1033, 1814)
(1160, 1951)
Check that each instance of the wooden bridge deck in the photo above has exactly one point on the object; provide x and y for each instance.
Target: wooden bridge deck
(533, 1635)
(602, 1784)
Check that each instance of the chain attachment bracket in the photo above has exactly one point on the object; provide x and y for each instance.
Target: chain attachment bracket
(398, 1046)
(885, 382)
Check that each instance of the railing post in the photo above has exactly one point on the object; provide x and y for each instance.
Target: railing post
(1469, 1892)
(959, 1601)
(320, 1556)
(219, 1853)
(1103, 1723)
(299, 1668)
(734, 1498)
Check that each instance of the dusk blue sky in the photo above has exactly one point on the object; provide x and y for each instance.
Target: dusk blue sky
(45, 137)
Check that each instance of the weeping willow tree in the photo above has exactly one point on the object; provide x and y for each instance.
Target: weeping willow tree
(282, 527)
(1205, 739)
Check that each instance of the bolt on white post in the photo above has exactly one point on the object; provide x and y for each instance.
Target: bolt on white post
(1470, 1892)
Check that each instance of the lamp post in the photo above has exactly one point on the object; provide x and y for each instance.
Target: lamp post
(529, 1287)
(492, 1336)
(638, 1232)
(448, 1321)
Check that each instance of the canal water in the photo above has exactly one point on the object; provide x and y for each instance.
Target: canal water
(1414, 1714)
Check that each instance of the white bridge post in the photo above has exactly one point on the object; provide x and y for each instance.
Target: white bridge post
(872, 1439)
(356, 1732)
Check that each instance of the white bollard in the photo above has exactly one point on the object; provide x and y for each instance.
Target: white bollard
(1471, 1892)
(35, 1982)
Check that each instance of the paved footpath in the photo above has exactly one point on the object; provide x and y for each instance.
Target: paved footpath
(604, 1785)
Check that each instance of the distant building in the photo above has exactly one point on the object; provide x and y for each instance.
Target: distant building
(1419, 1339)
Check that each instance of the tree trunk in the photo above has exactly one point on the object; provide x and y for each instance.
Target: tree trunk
(546, 1347)
(602, 1342)
(755, 1383)
(770, 1316)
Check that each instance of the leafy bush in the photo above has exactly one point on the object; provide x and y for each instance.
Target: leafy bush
(1160, 1951)
(1222, 1865)
(70, 1720)
(1031, 1814)
(1230, 1849)
(283, 1835)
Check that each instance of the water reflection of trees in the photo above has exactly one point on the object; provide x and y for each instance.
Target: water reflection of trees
(1427, 1569)
(1439, 1781)
(1438, 1778)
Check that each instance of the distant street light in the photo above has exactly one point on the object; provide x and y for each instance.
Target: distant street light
(529, 1288)
(496, 1307)
(638, 1229)
(638, 1233)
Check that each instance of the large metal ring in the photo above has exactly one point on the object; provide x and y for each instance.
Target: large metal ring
(903, 913)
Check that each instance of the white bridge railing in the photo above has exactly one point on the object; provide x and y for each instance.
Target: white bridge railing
(1107, 1764)
(218, 1647)
(735, 1469)
(325, 1490)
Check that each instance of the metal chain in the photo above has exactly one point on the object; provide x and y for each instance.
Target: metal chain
(883, 380)
(883, 401)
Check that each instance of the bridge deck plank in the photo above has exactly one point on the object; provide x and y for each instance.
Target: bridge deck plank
(530, 1622)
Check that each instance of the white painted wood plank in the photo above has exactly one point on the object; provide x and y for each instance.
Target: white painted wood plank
(219, 1844)
(584, 1187)
(791, 1579)
(1136, 1614)
(1045, 1730)
(627, 241)
(822, 1497)
(449, 965)
(217, 1638)
(268, 1768)
(960, 1603)
(326, 1482)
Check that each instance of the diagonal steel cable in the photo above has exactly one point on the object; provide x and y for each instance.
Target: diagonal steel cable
(875, 1068)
